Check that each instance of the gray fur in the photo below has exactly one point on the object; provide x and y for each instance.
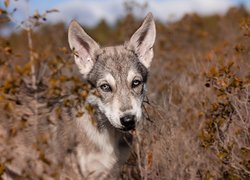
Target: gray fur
(116, 67)
(118, 61)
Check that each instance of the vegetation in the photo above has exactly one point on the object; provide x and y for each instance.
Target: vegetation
(197, 114)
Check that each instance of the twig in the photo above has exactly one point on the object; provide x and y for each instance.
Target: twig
(137, 148)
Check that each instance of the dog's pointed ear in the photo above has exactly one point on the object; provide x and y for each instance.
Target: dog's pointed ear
(143, 39)
(83, 47)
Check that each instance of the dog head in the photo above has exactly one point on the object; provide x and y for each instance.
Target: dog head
(118, 73)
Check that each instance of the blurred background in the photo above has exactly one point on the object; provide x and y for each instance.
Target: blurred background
(90, 13)
(197, 113)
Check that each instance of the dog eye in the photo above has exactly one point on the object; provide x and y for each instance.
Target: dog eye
(106, 88)
(135, 83)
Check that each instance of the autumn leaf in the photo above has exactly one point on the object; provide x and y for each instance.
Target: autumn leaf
(84, 94)
(213, 70)
(13, 131)
(8, 50)
(79, 114)
(8, 107)
(150, 160)
(2, 11)
(6, 3)
(93, 121)
(2, 169)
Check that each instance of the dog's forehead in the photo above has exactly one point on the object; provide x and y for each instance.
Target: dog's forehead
(116, 58)
(117, 61)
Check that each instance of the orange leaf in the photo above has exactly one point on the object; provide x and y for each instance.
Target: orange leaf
(2, 169)
(150, 159)
(2, 11)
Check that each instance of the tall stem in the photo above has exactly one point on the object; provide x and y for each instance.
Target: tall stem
(32, 59)
(33, 70)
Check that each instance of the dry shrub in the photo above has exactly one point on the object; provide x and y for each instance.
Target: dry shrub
(196, 116)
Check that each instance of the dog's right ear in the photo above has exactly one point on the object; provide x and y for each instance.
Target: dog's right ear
(143, 40)
(83, 47)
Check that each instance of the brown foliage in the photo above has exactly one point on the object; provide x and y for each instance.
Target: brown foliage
(197, 119)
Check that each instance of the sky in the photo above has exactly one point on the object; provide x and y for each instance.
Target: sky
(90, 12)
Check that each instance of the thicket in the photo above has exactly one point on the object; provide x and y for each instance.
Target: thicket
(197, 113)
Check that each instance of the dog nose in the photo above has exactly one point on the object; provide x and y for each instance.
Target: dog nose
(128, 121)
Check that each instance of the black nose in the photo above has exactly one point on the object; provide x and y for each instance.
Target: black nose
(128, 122)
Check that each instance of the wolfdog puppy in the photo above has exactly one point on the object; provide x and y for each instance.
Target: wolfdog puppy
(118, 76)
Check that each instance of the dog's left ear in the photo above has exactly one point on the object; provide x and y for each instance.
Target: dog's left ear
(143, 39)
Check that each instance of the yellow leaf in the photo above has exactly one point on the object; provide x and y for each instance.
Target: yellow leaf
(2, 169)
(90, 109)
(213, 70)
(93, 121)
(2, 98)
(222, 155)
(8, 106)
(6, 3)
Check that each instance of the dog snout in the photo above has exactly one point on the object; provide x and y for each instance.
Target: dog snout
(128, 121)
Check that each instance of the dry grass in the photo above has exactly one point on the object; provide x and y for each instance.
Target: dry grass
(197, 121)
